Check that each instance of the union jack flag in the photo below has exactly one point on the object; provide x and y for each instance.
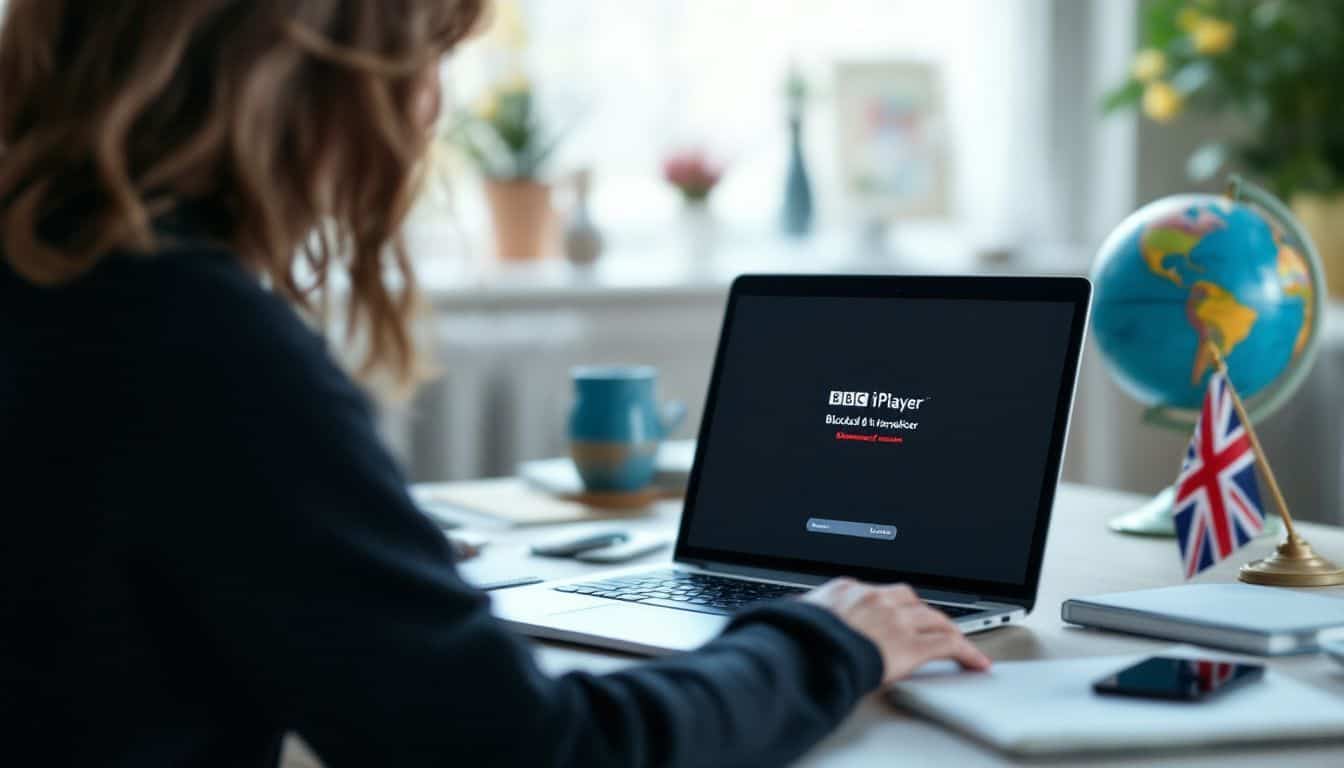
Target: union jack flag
(1212, 675)
(1217, 505)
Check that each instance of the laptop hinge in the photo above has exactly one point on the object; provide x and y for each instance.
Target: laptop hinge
(943, 596)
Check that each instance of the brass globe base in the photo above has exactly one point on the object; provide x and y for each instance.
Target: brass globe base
(1294, 564)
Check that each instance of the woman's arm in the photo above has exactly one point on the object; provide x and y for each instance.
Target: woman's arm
(328, 605)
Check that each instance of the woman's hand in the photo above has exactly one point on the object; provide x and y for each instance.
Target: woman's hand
(906, 630)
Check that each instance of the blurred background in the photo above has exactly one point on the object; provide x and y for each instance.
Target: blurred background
(606, 167)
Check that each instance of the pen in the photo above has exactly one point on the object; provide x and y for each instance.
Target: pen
(521, 581)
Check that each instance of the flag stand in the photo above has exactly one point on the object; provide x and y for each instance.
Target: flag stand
(1294, 563)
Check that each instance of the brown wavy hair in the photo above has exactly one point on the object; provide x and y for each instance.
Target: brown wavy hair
(300, 124)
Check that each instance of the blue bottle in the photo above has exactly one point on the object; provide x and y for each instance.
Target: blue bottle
(797, 214)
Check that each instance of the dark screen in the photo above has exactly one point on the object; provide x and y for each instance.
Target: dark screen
(1167, 678)
(900, 434)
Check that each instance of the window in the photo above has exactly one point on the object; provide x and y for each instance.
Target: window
(639, 77)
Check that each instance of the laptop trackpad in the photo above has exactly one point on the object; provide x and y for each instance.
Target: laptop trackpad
(666, 628)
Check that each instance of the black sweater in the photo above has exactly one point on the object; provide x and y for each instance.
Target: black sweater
(203, 545)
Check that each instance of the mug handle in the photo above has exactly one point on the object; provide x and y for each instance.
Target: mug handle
(674, 412)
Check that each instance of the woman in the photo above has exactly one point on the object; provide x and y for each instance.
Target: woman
(204, 544)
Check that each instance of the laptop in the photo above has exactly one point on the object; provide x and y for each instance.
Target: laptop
(890, 429)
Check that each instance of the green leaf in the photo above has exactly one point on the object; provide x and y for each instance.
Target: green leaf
(1159, 22)
(1124, 96)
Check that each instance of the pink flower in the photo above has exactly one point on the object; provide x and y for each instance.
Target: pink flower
(692, 172)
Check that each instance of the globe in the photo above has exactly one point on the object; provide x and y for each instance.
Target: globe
(1188, 271)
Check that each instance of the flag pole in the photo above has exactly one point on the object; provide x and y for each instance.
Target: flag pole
(1294, 563)
(1265, 469)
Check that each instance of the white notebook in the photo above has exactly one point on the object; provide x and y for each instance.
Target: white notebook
(1048, 707)
(558, 476)
(1239, 617)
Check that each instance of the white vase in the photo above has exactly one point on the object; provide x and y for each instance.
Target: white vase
(699, 230)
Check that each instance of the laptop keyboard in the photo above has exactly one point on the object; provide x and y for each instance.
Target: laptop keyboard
(699, 592)
(680, 589)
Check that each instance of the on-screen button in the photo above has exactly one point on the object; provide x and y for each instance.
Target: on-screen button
(850, 528)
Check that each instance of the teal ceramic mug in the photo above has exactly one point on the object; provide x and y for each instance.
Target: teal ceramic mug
(617, 424)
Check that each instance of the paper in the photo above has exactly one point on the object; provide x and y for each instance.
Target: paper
(1047, 707)
(559, 477)
(510, 501)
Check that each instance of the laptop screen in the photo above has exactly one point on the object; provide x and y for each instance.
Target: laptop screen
(885, 436)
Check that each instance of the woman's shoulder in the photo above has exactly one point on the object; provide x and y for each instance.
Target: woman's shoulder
(179, 280)
(185, 317)
(177, 290)
(222, 318)
(200, 300)
(187, 320)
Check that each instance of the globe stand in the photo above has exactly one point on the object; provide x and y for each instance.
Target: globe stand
(1154, 518)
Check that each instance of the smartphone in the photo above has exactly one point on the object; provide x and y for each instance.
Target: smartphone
(623, 552)
(573, 546)
(1173, 679)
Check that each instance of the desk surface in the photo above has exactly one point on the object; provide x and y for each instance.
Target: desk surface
(1082, 557)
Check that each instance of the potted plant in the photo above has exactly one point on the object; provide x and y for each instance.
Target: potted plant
(1274, 67)
(509, 143)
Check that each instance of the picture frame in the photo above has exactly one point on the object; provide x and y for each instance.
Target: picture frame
(892, 138)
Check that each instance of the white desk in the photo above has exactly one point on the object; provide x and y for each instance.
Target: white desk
(1082, 557)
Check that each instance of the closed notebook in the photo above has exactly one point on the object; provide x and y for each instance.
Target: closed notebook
(1239, 617)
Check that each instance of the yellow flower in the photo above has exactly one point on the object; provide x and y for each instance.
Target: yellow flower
(1213, 36)
(1161, 102)
(1149, 64)
(1188, 18)
(516, 82)
(487, 106)
(509, 27)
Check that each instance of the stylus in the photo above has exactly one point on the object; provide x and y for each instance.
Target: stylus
(521, 581)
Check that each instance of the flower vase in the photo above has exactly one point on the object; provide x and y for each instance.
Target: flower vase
(797, 214)
(583, 241)
(699, 229)
(520, 212)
